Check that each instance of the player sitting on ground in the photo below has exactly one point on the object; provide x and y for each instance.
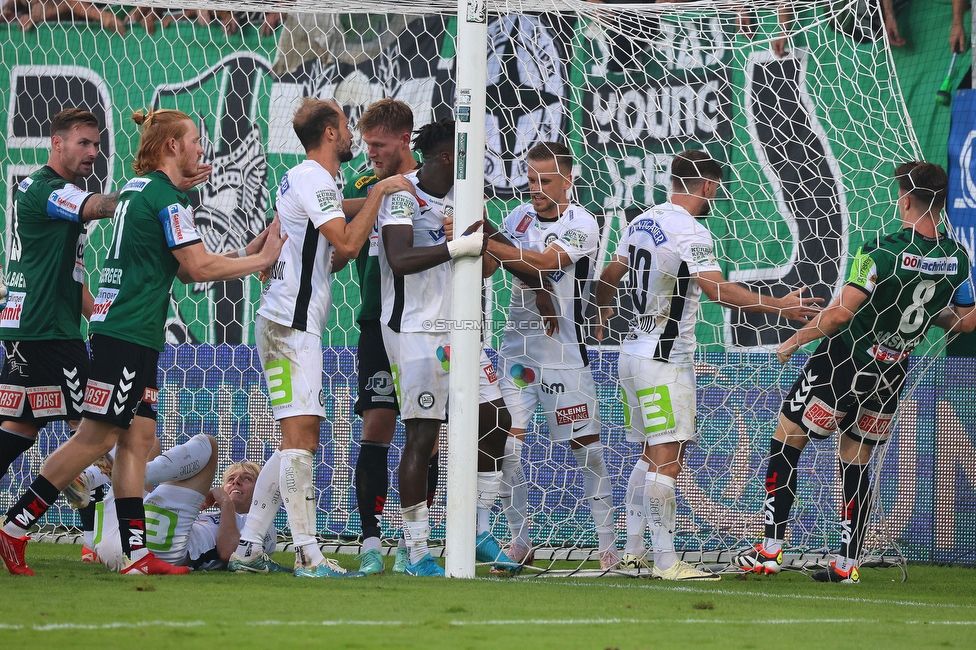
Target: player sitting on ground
(179, 532)
(668, 255)
(899, 286)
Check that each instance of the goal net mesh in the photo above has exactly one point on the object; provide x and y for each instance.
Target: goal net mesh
(804, 112)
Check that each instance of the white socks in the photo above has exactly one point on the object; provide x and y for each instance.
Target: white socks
(488, 483)
(636, 515)
(661, 507)
(416, 530)
(264, 507)
(298, 496)
(181, 462)
(597, 489)
(514, 492)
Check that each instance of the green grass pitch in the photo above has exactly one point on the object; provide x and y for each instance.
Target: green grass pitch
(74, 605)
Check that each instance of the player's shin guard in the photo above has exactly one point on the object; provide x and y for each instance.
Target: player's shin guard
(416, 530)
(514, 491)
(596, 488)
(636, 514)
(488, 483)
(857, 508)
(12, 446)
(298, 495)
(780, 488)
(264, 507)
(32, 505)
(661, 507)
(131, 513)
(181, 462)
(372, 485)
(433, 475)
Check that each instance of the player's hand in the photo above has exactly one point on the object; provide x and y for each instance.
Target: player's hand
(203, 173)
(957, 38)
(273, 242)
(786, 350)
(475, 227)
(604, 314)
(394, 184)
(796, 307)
(255, 245)
(449, 227)
(543, 302)
(779, 46)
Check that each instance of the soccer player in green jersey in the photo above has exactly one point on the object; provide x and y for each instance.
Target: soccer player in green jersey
(46, 361)
(899, 286)
(155, 241)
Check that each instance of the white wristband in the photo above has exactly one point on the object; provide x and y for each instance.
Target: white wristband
(242, 252)
(466, 245)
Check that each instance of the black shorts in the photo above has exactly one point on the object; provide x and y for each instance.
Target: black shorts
(122, 383)
(375, 379)
(43, 381)
(832, 393)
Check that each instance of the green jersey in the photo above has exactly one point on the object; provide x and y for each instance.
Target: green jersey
(45, 260)
(367, 262)
(909, 280)
(153, 219)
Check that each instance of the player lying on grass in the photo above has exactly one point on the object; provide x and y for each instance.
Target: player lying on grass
(177, 528)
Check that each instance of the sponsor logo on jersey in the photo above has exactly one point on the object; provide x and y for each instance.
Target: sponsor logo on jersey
(489, 371)
(11, 400)
(380, 382)
(328, 200)
(401, 205)
(820, 417)
(556, 276)
(364, 180)
(12, 311)
(97, 396)
(554, 388)
(136, 185)
(436, 235)
(873, 424)
(888, 355)
(930, 265)
(525, 223)
(702, 254)
(575, 238)
(46, 401)
(78, 272)
(64, 203)
(174, 219)
(570, 414)
(103, 302)
(25, 184)
(652, 228)
(283, 185)
(150, 396)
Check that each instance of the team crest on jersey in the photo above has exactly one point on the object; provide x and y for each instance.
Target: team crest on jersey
(930, 265)
(426, 400)
(12, 311)
(11, 400)
(46, 401)
(25, 184)
(551, 237)
(652, 228)
(136, 185)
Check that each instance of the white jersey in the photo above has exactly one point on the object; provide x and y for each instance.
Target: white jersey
(416, 302)
(664, 248)
(201, 547)
(577, 233)
(299, 294)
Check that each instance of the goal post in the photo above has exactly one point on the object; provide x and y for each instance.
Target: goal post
(809, 141)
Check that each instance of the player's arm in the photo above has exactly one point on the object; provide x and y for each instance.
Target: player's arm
(827, 322)
(199, 265)
(348, 237)
(102, 206)
(87, 302)
(228, 536)
(606, 288)
(519, 260)
(732, 294)
(960, 316)
(406, 259)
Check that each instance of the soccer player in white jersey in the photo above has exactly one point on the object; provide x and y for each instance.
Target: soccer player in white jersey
(416, 275)
(294, 310)
(177, 529)
(669, 257)
(557, 241)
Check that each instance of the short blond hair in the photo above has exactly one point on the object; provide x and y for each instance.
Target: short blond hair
(246, 466)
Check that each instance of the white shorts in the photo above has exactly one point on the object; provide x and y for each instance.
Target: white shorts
(489, 388)
(419, 363)
(170, 513)
(659, 400)
(568, 398)
(292, 362)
